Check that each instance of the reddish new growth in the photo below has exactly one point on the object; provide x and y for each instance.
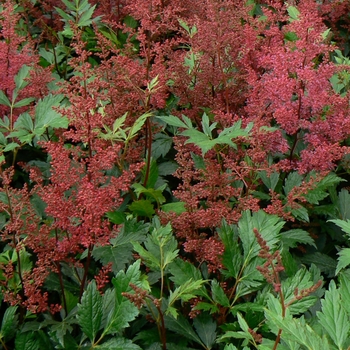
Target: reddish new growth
(273, 264)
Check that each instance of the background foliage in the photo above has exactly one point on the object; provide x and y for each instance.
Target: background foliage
(174, 174)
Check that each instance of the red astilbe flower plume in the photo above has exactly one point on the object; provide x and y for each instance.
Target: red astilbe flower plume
(16, 50)
(290, 70)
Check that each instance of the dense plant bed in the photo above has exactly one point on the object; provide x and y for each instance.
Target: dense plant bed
(174, 174)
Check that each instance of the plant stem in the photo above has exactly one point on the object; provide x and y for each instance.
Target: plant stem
(86, 270)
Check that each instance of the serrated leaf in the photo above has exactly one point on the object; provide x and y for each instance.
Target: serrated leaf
(333, 317)
(344, 289)
(161, 145)
(294, 179)
(120, 251)
(293, 12)
(118, 344)
(24, 102)
(11, 146)
(269, 181)
(172, 120)
(27, 341)
(123, 311)
(218, 294)
(46, 116)
(324, 262)
(199, 162)
(90, 311)
(291, 36)
(207, 128)
(185, 292)
(292, 238)
(199, 139)
(119, 122)
(183, 271)
(344, 207)
(343, 224)
(9, 324)
(181, 326)
(205, 327)
(316, 195)
(300, 213)
(142, 207)
(4, 100)
(137, 126)
(20, 81)
(295, 330)
(123, 279)
(343, 260)
(232, 258)
(302, 280)
(24, 121)
(176, 207)
(268, 226)
(64, 15)
(85, 19)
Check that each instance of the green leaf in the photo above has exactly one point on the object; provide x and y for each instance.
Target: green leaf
(205, 327)
(232, 258)
(291, 36)
(9, 324)
(118, 344)
(300, 213)
(24, 121)
(185, 292)
(90, 311)
(295, 330)
(316, 195)
(333, 317)
(182, 327)
(85, 19)
(268, 226)
(344, 225)
(324, 262)
(20, 81)
(269, 181)
(142, 207)
(161, 145)
(24, 102)
(137, 126)
(344, 207)
(173, 121)
(176, 207)
(294, 179)
(160, 248)
(11, 146)
(199, 139)
(4, 100)
(302, 280)
(151, 193)
(199, 162)
(207, 128)
(27, 341)
(183, 271)
(218, 294)
(120, 251)
(167, 168)
(46, 116)
(292, 238)
(116, 217)
(343, 260)
(117, 317)
(344, 289)
(293, 13)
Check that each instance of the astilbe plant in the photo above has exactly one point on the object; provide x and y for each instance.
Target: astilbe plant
(253, 112)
